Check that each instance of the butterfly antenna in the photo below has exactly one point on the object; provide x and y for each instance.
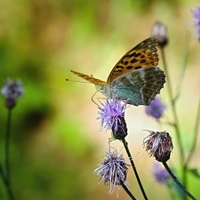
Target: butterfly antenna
(77, 81)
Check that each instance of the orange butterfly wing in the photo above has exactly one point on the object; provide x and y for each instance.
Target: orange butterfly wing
(90, 79)
(143, 55)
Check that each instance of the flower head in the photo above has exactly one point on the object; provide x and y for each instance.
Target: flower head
(111, 115)
(159, 30)
(12, 90)
(156, 108)
(159, 145)
(196, 21)
(160, 174)
(113, 170)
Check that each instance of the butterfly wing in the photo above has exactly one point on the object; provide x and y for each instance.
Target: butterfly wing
(143, 55)
(139, 87)
(90, 79)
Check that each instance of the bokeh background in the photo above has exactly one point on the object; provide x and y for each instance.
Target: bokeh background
(55, 142)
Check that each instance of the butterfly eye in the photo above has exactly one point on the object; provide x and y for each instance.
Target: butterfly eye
(99, 87)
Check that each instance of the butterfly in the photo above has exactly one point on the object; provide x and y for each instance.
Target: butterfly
(135, 78)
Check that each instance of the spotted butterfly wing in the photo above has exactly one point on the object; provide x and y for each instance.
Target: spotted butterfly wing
(142, 55)
(136, 77)
(139, 87)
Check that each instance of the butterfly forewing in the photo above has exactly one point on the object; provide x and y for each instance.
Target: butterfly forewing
(90, 79)
(143, 55)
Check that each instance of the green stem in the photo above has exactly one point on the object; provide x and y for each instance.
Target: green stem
(177, 181)
(176, 124)
(6, 174)
(128, 191)
(7, 146)
(175, 116)
(134, 168)
(4, 178)
(182, 73)
(196, 128)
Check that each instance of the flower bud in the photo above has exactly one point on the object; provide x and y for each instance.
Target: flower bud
(113, 170)
(111, 115)
(12, 90)
(159, 30)
(159, 145)
(119, 130)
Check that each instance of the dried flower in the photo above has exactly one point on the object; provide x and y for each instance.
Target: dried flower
(111, 115)
(155, 108)
(160, 174)
(159, 30)
(12, 90)
(113, 170)
(196, 21)
(159, 145)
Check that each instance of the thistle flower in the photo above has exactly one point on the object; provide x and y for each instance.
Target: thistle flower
(160, 174)
(159, 30)
(196, 21)
(155, 109)
(159, 145)
(111, 115)
(113, 170)
(12, 90)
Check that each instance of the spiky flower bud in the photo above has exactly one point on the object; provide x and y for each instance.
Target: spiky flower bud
(12, 90)
(159, 30)
(111, 115)
(113, 170)
(159, 145)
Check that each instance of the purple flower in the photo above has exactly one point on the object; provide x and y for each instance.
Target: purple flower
(111, 115)
(156, 108)
(196, 21)
(160, 174)
(12, 90)
(113, 170)
(159, 145)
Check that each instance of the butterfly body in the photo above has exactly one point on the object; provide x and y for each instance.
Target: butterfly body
(135, 78)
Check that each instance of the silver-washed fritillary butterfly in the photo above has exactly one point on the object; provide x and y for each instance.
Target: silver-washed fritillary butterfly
(135, 78)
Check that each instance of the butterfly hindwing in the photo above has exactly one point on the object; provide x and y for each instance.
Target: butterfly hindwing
(139, 87)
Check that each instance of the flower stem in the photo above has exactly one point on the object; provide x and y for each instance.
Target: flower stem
(177, 181)
(128, 191)
(176, 124)
(7, 145)
(6, 174)
(134, 168)
(196, 128)
(4, 178)
(186, 56)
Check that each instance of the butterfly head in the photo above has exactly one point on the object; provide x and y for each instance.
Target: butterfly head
(104, 89)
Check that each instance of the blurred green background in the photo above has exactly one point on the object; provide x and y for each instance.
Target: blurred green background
(55, 143)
